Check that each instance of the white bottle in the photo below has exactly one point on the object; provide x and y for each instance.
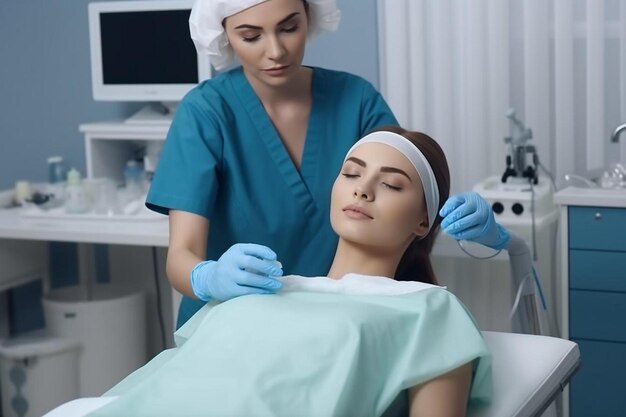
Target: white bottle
(75, 196)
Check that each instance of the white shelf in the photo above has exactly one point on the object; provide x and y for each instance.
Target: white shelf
(112, 130)
(108, 145)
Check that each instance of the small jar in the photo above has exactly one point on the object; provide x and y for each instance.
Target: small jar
(75, 196)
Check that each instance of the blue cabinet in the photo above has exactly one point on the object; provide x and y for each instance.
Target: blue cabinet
(597, 389)
(597, 309)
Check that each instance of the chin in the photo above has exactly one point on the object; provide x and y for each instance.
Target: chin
(356, 235)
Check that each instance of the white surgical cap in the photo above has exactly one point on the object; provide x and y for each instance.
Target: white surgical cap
(207, 32)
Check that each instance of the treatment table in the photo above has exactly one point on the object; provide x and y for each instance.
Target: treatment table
(529, 370)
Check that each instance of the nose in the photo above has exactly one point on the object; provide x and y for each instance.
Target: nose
(275, 48)
(361, 192)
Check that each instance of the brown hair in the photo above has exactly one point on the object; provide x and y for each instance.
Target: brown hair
(415, 264)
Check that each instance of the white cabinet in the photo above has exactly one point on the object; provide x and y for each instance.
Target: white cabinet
(108, 145)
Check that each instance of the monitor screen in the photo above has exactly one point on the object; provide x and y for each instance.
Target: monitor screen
(142, 51)
(150, 47)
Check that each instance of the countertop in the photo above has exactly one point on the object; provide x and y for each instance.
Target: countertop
(15, 225)
(598, 197)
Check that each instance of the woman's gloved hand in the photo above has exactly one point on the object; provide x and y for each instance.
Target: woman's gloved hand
(468, 216)
(242, 269)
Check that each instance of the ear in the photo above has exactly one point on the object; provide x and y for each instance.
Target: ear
(422, 228)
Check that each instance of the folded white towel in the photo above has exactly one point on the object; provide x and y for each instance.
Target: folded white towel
(355, 284)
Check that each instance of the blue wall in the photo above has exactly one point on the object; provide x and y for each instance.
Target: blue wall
(45, 93)
(45, 79)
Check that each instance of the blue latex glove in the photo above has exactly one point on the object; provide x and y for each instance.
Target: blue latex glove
(468, 216)
(242, 269)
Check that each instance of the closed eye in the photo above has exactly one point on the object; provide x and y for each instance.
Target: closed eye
(392, 187)
(350, 175)
(251, 38)
(290, 29)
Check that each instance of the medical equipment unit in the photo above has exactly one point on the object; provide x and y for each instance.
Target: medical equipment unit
(518, 193)
(529, 370)
(519, 149)
(141, 51)
(522, 201)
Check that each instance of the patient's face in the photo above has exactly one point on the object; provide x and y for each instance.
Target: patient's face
(377, 198)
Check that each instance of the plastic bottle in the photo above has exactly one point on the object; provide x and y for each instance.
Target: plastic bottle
(134, 178)
(57, 173)
(151, 158)
(75, 197)
(56, 170)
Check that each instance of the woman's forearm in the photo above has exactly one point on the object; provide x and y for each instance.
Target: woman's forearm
(180, 262)
(187, 247)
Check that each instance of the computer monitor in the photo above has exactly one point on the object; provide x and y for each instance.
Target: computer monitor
(141, 51)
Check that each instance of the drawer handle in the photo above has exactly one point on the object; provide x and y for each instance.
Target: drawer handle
(598, 216)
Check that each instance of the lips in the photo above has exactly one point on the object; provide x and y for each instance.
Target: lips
(357, 211)
(276, 69)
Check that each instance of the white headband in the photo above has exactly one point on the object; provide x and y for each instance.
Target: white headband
(417, 159)
(207, 32)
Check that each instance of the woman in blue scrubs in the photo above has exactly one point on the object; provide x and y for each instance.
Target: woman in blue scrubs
(249, 162)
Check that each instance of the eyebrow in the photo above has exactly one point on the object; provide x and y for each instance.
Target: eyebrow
(382, 169)
(289, 17)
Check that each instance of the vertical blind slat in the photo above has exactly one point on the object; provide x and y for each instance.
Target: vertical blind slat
(418, 65)
(476, 100)
(396, 45)
(564, 86)
(441, 86)
(457, 144)
(498, 80)
(383, 56)
(537, 75)
(596, 137)
(623, 72)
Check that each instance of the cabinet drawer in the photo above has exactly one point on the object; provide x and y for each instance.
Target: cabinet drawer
(600, 228)
(597, 389)
(595, 270)
(597, 315)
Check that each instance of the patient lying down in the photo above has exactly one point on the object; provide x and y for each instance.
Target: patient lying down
(355, 343)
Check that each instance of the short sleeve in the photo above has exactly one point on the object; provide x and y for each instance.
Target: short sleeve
(187, 174)
(375, 110)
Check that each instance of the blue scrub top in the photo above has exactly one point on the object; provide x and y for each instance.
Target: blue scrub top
(224, 160)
